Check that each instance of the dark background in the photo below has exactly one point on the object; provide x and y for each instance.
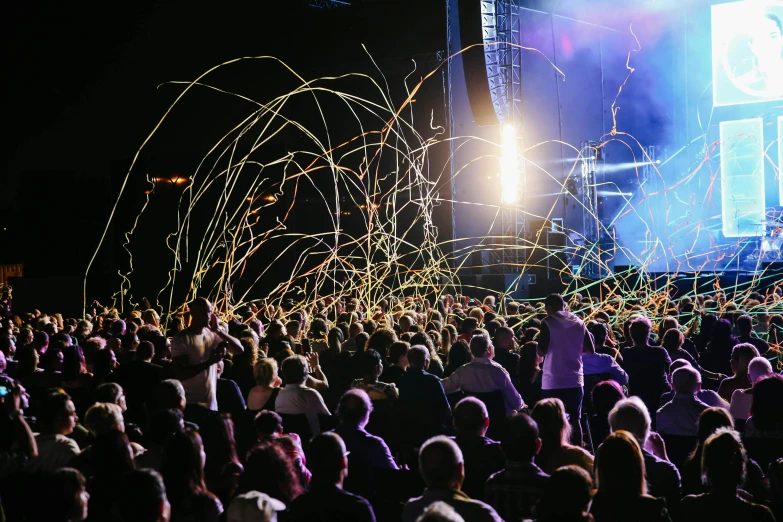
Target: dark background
(83, 89)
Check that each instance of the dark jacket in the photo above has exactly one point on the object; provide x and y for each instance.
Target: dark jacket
(647, 367)
(327, 503)
(483, 458)
(638, 509)
(423, 408)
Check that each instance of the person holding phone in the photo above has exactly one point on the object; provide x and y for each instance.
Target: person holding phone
(196, 350)
(21, 445)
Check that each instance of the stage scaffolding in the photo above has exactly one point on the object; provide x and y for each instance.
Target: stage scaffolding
(503, 56)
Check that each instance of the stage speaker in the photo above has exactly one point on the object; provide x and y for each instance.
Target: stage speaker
(474, 63)
(557, 264)
(480, 261)
(556, 239)
(536, 225)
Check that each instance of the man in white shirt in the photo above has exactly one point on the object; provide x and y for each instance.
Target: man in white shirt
(562, 339)
(483, 375)
(296, 397)
(681, 415)
(196, 350)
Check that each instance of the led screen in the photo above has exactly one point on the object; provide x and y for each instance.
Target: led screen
(742, 177)
(747, 52)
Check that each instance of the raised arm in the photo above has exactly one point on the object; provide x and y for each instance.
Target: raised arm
(11, 462)
(318, 379)
(232, 343)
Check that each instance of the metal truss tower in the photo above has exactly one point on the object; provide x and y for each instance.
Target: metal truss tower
(503, 56)
(588, 197)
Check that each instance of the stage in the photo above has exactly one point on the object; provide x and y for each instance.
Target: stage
(535, 284)
(634, 131)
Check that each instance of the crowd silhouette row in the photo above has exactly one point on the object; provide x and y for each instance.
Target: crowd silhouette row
(450, 410)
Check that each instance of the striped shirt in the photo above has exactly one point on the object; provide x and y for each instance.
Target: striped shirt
(514, 491)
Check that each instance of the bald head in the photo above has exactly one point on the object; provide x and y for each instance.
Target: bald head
(200, 312)
(418, 357)
(441, 464)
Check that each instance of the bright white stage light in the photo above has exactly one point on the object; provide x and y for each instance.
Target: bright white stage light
(610, 193)
(614, 168)
(509, 166)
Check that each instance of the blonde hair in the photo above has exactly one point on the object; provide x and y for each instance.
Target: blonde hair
(265, 371)
(619, 465)
(103, 417)
(58, 318)
(42, 322)
(84, 327)
(150, 316)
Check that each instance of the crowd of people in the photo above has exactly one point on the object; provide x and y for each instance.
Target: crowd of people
(452, 410)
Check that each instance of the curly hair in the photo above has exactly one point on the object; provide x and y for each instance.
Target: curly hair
(249, 356)
(269, 470)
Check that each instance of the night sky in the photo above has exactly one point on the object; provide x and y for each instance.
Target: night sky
(83, 89)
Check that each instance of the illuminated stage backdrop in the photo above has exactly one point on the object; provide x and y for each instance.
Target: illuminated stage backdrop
(682, 100)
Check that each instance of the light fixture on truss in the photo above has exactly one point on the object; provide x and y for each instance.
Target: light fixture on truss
(509, 165)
